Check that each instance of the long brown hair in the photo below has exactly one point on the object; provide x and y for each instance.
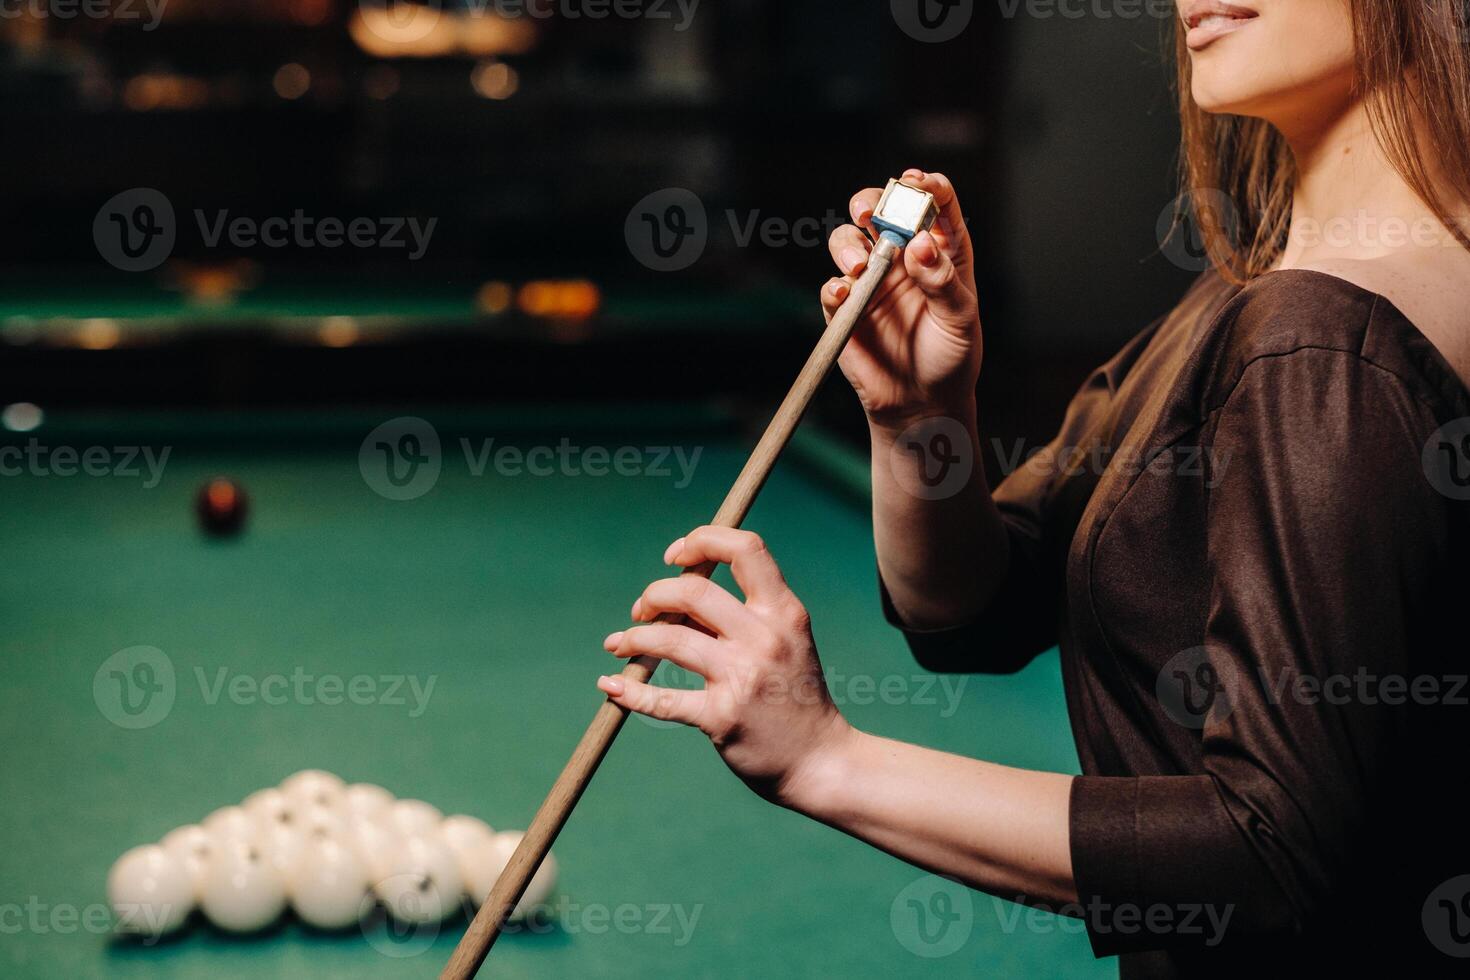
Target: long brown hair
(1413, 67)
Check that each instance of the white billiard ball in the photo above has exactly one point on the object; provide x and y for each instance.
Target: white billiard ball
(150, 891)
(462, 832)
(330, 887)
(415, 817)
(194, 846)
(373, 840)
(366, 800)
(422, 883)
(542, 883)
(481, 865)
(243, 892)
(231, 823)
(282, 844)
(316, 824)
(320, 821)
(315, 787)
(284, 835)
(269, 807)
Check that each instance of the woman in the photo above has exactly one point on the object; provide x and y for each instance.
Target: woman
(1257, 650)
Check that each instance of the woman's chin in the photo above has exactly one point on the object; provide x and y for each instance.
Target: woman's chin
(1225, 99)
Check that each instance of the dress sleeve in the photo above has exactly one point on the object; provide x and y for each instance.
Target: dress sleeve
(1040, 504)
(1323, 540)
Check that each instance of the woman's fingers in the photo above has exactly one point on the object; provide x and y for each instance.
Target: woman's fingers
(755, 571)
(849, 248)
(950, 300)
(834, 294)
(678, 644)
(698, 598)
(666, 704)
(950, 228)
(862, 205)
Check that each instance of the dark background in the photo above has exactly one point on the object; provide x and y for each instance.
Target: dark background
(528, 139)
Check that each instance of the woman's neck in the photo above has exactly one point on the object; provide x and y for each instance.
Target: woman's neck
(1355, 217)
(1350, 203)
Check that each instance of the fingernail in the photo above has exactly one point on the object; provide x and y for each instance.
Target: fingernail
(915, 173)
(860, 211)
(837, 288)
(672, 551)
(928, 249)
(853, 260)
(611, 642)
(611, 685)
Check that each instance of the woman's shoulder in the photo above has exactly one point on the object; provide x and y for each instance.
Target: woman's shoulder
(1427, 288)
(1307, 314)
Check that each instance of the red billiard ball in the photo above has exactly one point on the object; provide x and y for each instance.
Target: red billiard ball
(221, 506)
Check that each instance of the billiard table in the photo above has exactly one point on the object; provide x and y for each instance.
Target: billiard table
(441, 637)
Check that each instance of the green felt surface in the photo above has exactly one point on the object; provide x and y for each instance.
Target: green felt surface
(499, 588)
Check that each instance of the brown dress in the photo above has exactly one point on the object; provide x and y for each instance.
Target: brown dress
(1250, 541)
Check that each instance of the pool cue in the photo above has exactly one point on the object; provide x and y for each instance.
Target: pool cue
(485, 928)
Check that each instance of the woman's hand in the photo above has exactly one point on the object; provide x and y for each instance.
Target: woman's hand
(766, 708)
(765, 704)
(918, 349)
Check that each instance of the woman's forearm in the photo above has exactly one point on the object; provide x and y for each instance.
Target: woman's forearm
(998, 829)
(942, 553)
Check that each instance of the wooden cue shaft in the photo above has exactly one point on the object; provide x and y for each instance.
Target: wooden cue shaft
(567, 790)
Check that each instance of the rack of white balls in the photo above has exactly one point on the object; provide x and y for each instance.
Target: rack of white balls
(330, 851)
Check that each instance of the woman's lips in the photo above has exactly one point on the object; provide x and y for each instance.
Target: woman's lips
(1212, 28)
